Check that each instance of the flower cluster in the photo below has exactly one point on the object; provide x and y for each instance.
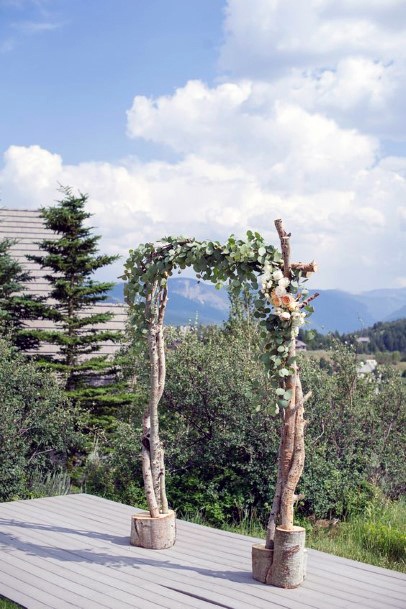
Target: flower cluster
(275, 287)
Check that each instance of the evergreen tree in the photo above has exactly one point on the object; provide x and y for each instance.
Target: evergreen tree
(72, 258)
(16, 305)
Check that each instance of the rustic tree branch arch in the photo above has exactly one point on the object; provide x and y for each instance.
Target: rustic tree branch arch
(281, 307)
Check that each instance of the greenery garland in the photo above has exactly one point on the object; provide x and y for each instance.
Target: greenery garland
(281, 306)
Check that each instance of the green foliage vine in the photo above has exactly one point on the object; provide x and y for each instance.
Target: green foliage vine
(281, 305)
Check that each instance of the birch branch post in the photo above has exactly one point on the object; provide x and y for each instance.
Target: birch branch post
(157, 529)
(282, 560)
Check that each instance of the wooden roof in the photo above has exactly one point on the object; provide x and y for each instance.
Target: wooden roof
(27, 227)
(73, 551)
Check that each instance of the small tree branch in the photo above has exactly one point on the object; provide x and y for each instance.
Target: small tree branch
(148, 483)
(307, 397)
(309, 300)
(162, 484)
(297, 463)
(285, 247)
(307, 268)
(276, 504)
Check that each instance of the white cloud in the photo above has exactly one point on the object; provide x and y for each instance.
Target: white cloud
(36, 27)
(277, 34)
(135, 202)
(346, 58)
(241, 124)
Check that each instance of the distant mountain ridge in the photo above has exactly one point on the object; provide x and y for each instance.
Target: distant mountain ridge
(335, 310)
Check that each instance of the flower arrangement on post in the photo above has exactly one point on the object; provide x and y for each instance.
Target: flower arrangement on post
(281, 307)
(281, 561)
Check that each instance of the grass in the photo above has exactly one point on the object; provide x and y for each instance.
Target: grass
(377, 536)
(6, 604)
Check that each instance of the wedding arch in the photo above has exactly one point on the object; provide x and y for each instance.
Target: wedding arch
(281, 307)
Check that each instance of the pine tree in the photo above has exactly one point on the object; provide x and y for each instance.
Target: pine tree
(16, 305)
(72, 258)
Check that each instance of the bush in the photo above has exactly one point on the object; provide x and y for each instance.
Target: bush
(221, 446)
(221, 449)
(38, 426)
(355, 435)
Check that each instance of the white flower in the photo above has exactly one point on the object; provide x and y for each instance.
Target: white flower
(280, 291)
(284, 282)
(298, 319)
(276, 275)
(284, 315)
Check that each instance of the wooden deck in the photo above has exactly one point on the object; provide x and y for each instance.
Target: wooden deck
(73, 552)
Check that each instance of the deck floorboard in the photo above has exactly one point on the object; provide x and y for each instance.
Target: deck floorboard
(73, 551)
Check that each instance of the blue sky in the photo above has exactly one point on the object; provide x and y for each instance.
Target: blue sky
(210, 117)
(70, 69)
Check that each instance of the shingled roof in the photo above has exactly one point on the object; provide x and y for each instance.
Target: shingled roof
(27, 228)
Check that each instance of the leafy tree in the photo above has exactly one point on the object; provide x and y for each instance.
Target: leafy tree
(38, 425)
(383, 336)
(72, 258)
(16, 305)
(355, 433)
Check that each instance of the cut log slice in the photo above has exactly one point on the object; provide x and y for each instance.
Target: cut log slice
(153, 533)
(288, 567)
(261, 563)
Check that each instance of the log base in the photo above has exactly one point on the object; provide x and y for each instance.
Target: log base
(261, 563)
(153, 533)
(285, 565)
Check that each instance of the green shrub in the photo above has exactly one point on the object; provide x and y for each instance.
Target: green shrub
(38, 426)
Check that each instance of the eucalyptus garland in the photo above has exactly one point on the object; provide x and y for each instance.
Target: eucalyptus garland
(281, 305)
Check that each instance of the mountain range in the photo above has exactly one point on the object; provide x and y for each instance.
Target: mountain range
(335, 310)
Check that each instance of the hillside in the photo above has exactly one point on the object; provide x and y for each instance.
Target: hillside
(389, 336)
(335, 310)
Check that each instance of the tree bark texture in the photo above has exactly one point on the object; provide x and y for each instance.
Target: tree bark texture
(281, 561)
(291, 451)
(288, 564)
(152, 454)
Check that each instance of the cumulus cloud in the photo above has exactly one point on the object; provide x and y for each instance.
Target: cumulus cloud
(267, 35)
(135, 202)
(242, 124)
(346, 57)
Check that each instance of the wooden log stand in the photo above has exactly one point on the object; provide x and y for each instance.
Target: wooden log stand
(283, 566)
(153, 533)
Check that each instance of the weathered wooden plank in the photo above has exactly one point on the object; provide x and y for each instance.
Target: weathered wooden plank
(154, 575)
(85, 538)
(177, 580)
(331, 604)
(326, 576)
(231, 548)
(109, 590)
(9, 591)
(52, 593)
